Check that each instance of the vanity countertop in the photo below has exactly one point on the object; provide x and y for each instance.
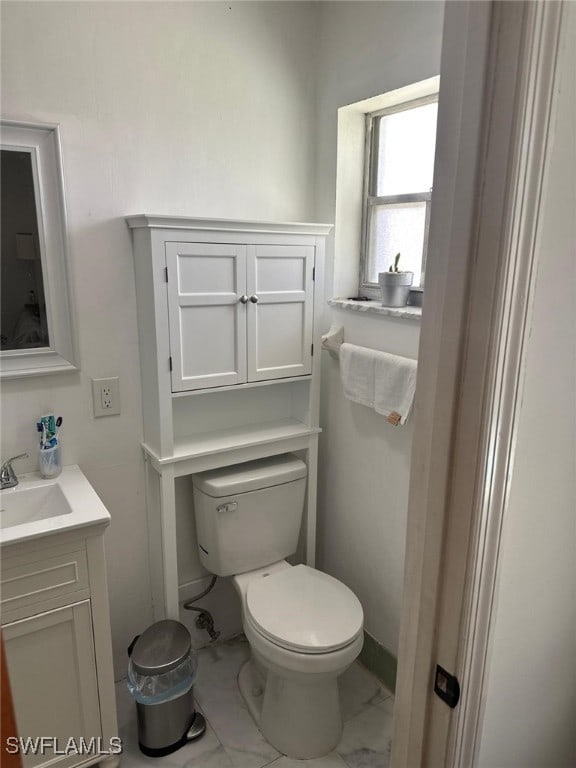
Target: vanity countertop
(36, 507)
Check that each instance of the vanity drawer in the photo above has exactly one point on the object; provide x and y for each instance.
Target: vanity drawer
(27, 584)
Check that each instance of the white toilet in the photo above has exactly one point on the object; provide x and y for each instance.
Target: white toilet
(304, 627)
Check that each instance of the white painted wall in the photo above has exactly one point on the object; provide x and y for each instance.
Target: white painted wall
(202, 109)
(209, 109)
(530, 693)
(366, 48)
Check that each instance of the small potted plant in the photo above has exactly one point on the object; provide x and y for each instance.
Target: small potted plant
(395, 285)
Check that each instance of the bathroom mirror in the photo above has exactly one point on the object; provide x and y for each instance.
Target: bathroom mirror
(36, 324)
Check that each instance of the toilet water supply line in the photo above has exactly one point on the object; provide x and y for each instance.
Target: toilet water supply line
(204, 619)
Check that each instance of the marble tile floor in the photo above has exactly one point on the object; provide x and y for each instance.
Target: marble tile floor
(232, 739)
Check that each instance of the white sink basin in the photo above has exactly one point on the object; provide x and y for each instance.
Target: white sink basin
(37, 507)
(27, 505)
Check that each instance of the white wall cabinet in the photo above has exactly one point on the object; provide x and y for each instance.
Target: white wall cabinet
(280, 311)
(228, 318)
(56, 633)
(206, 314)
(238, 313)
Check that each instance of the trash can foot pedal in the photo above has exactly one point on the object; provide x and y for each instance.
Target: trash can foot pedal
(197, 728)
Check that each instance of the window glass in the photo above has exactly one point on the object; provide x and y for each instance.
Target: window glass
(399, 170)
(406, 141)
(396, 228)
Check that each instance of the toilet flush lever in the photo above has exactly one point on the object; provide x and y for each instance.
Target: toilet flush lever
(231, 506)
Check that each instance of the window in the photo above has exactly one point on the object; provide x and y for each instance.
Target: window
(399, 165)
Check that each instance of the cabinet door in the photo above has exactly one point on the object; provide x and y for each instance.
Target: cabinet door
(53, 678)
(280, 311)
(206, 282)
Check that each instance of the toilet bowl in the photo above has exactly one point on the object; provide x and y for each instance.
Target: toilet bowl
(305, 628)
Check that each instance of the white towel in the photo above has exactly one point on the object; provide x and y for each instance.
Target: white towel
(394, 386)
(357, 373)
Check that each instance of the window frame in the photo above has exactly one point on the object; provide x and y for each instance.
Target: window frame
(369, 200)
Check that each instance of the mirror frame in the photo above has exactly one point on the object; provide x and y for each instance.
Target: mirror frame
(42, 141)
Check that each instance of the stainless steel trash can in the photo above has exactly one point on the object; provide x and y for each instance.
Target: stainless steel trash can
(161, 675)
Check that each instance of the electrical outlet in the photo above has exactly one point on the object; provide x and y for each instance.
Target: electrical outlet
(106, 396)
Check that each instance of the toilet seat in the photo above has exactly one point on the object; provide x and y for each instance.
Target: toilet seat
(304, 610)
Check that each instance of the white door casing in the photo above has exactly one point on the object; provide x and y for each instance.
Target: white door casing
(516, 245)
(280, 311)
(207, 314)
(482, 247)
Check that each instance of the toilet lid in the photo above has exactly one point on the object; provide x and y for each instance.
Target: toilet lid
(305, 610)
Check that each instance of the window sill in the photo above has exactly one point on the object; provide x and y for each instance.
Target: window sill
(375, 308)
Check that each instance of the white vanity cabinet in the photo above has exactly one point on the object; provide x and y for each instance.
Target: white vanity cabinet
(56, 634)
(229, 323)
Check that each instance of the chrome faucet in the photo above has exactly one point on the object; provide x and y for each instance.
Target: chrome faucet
(8, 477)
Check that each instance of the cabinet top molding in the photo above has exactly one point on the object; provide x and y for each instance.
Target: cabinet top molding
(149, 221)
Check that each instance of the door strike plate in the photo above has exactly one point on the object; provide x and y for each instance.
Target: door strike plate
(447, 687)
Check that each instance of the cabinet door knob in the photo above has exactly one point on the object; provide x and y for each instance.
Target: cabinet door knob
(244, 299)
(254, 299)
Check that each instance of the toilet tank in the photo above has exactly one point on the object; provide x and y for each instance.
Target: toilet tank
(248, 515)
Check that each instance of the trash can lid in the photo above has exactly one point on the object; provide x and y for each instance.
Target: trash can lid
(161, 648)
